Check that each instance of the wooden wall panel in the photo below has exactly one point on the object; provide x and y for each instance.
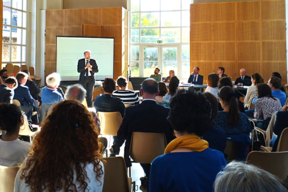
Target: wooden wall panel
(248, 31)
(55, 18)
(73, 31)
(274, 51)
(224, 12)
(50, 53)
(92, 16)
(201, 13)
(117, 52)
(52, 32)
(201, 51)
(73, 17)
(50, 67)
(250, 35)
(273, 9)
(249, 51)
(224, 51)
(248, 11)
(273, 30)
(112, 31)
(224, 31)
(91, 30)
(111, 16)
(268, 68)
(201, 32)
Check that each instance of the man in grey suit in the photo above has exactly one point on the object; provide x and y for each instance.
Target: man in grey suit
(87, 67)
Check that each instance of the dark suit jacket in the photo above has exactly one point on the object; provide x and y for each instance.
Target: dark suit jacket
(81, 68)
(198, 82)
(246, 81)
(33, 88)
(6, 95)
(22, 94)
(107, 103)
(146, 117)
(280, 124)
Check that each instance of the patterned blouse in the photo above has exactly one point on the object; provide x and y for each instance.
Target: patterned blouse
(266, 107)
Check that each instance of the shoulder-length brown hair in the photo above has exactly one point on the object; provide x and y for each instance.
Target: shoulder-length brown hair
(67, 142)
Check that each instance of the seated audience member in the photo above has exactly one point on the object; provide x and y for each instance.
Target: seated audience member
(216, 136)
(33, 88)
(127, 96)
(145, 117)
(235, 123)
(7, 90)
(76, 92)
(212, 84)
(188, 164)
(275, 85)
(252, 90)
(172, 89)
(3, 76)
(241, 177)
(50, 95)
(171, 74)
(226, 81)
(162, 92)
(221, 71)
(276, 74)
(22, 94)
(281, 123)
(195, 78)
(65, 156)
(107, 103)
(156, 75)
(266, 105)
(244, 79)
(12, 150)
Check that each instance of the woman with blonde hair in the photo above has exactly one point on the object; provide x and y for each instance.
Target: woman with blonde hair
(65, 154)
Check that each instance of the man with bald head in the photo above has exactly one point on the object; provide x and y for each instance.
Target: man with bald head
(243, 80)
(146, 117)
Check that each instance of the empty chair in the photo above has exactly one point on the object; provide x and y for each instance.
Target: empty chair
(26, 131)
(110, 122)
(7, 178)
(145, 147)
(24, 67)
(10, 68)
(283, 141)
(31, 71)
(115, 178)
(16, 69)
(275, 163)
(130, 86)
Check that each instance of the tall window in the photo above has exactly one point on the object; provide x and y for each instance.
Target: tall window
(14, 32)
(166, 21)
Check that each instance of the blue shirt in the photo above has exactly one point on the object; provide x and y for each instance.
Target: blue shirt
(50, 96)
(216, 138)
(186, 171)
(278, 94)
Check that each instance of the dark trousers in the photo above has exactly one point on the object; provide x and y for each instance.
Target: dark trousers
(146, 168)
(88, 84)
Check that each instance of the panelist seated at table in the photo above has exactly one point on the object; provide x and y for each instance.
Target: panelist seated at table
(171, 74)
(243, 80)
(156, 75)
(195, 78)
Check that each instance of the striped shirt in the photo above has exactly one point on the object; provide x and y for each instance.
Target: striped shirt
(127, 96)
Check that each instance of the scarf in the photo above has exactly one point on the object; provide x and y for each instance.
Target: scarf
(190, 142)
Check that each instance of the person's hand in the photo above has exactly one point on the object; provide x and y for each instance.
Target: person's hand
(285, 108)
(239, 84)
(29, 78)
(89, 68)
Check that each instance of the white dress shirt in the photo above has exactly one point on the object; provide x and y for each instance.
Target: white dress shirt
(89, 73)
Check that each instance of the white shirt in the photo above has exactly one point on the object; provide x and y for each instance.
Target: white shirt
(212, 90)
(89, 73)
(13, 153)
(196, 78)
(93, 184)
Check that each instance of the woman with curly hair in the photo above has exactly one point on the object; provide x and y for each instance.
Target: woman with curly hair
(65, 154)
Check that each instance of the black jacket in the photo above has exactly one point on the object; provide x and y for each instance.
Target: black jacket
(246, 81)
(107, 103)
(33, 88)
(81, 68)
(146, 117)
(6, 94)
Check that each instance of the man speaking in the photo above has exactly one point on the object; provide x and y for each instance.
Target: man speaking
(87, 67)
